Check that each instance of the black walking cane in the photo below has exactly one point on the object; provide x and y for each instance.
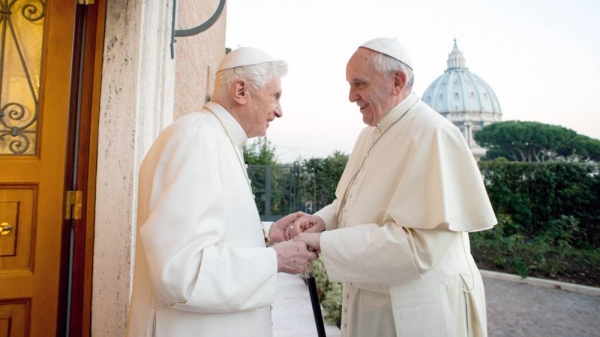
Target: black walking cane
(314, 300)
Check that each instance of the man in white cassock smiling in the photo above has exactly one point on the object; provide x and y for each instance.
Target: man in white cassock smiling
(396, 234)
(202, 266)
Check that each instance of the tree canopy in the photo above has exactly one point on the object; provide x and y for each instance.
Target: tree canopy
(534, 141)
(260, 152)
(319, 178)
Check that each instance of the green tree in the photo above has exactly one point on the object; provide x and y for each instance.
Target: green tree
(274, 185)
(259, 155)
(319, 178)
(260, 152)
(582, 147)
(535, 142)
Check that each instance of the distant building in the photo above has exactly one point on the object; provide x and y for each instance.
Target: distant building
(464, 98)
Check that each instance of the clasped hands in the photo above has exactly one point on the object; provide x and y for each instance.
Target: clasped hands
(297, 239)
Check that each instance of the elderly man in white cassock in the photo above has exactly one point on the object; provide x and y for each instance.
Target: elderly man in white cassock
(202, 266)
(397, 233)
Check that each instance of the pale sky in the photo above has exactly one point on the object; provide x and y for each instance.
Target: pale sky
(541, 58)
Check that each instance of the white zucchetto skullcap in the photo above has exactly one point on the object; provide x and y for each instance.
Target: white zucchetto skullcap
(244, 56)
(390, 47)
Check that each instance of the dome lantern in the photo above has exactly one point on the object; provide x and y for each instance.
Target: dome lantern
(456, 58)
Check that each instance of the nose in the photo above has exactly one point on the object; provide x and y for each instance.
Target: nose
(278, 111)
(353, 96)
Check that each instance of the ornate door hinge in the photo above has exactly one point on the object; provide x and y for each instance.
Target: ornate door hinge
(73, 205)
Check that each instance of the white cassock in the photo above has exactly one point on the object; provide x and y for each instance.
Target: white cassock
(201, 266)
(399, 242)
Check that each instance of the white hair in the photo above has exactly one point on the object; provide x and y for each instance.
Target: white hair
(258, 75)
(388, 65)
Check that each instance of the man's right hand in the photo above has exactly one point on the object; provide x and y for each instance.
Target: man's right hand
(305, 223)
(278, 230)
(293, 257)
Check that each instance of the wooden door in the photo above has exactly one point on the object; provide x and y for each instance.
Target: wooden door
(36, 48)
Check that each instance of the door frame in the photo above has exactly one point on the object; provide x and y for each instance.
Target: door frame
(77, 244)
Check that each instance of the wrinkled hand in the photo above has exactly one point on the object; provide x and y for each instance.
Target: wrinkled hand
(293, 257)
(313, 240)
(277, 232)
(306, 223)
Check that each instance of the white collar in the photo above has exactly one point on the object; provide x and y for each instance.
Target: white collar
(235, 130)
(396, 112)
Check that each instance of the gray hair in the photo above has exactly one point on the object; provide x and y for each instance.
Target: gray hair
(258, 75)
(388, 65)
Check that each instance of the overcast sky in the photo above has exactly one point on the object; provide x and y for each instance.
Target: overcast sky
(541, 58)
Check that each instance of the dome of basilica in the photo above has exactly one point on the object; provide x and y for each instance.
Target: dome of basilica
(463, 98)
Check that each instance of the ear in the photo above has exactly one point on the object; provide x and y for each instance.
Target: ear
(399, 82)
(239, 90)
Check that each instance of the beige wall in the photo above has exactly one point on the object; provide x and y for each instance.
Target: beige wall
(197, 56)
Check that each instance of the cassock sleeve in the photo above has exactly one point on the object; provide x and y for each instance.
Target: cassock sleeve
(191, 269)
(388, 254)
(328, 214)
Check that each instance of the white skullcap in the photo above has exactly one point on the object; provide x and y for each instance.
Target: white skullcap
(244, 56)
(390, 47)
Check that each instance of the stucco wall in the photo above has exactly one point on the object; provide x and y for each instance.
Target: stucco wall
(137, 101)
(197, 56)
(116, 163)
